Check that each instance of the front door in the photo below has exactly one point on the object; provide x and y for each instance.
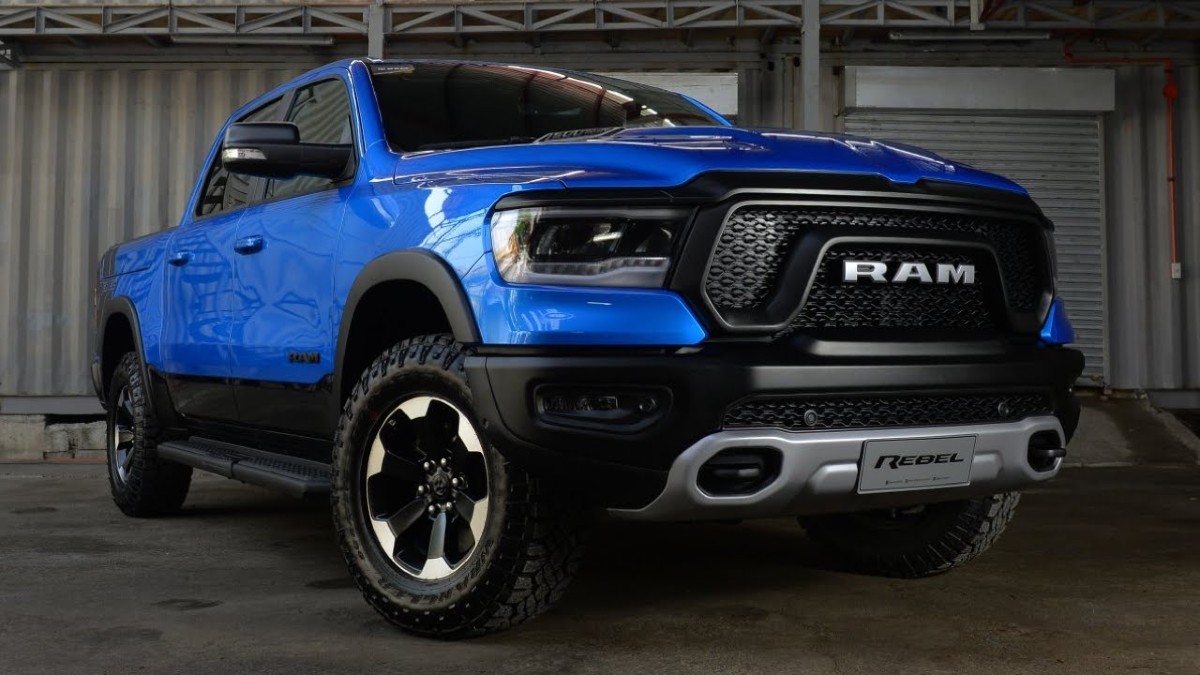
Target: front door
(283, 340)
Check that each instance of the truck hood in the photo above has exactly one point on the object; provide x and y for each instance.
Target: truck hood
(671, 156)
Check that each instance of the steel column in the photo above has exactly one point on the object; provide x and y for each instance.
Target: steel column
(376, 16)
(810, 65)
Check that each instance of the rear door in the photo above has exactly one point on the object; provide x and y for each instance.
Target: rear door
(198, 288)
(282, 329)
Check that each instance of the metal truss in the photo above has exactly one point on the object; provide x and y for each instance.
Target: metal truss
(169, 20)
(486, 17)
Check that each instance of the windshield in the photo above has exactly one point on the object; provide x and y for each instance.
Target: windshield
(432, 106)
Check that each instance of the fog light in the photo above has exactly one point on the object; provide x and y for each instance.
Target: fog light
(630, 409)
(583, 403)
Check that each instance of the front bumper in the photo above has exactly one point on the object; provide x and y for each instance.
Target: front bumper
(820, 471)
(630, 469)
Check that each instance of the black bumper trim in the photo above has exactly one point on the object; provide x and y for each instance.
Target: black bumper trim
(627, 469)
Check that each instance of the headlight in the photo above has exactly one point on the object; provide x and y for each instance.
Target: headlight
(628, 246)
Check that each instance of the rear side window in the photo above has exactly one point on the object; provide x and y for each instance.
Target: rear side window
(224, 191)
(322, 114)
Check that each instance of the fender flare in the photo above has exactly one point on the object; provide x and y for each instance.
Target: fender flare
(124, 306)
(416, 265)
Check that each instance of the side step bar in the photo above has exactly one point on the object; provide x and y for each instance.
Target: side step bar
(284, 473)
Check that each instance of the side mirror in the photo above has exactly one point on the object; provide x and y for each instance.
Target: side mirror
(274, 150)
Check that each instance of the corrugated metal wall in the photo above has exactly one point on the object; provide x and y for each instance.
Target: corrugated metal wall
(1058, 159)
(1154, 332)
(92, 157)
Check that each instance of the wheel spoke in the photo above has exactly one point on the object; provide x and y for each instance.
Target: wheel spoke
(460, 543)
(466, 450)
(403, 519)
(127, 460)
(402, 469)
(436, 565)
(124, 438)
(464, 506)
(473, 512)
(467, 436)
(398, 434)
(438, 429)
(387, 495)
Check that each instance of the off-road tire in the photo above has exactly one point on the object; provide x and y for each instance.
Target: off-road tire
(530, 545)
(146, 485)
(910, 545)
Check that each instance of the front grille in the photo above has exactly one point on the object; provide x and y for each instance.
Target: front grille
(756, 241)
(811, 413)
(833, 304)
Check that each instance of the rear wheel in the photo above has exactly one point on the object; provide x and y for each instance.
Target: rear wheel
(444, 536)
(913, 542)
(142, 484)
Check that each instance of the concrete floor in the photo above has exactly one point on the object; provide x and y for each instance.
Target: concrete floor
(1099, 573)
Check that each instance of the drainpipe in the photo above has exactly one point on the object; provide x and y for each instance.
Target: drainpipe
(1170, 93)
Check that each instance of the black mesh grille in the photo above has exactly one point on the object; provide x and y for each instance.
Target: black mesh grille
(756, 241)
(853, 412)
(834, 304)
(752, 246)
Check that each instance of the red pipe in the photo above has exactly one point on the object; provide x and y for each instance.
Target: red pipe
(1170, 93)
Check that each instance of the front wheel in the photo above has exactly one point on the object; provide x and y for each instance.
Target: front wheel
(443, 535)
(913, 542)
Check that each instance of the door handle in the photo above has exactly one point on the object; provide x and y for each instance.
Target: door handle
(180, 258)
(248, 245)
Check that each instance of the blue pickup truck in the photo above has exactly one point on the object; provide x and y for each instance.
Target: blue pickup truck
(470, 303)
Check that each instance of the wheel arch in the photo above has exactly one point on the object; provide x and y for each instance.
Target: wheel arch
(120, 332)
(416, 281)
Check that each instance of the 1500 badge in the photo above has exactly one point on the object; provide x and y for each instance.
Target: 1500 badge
(304, 357)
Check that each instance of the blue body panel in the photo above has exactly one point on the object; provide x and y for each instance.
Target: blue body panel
(668, 157)
(1057, 329)
(225, 315)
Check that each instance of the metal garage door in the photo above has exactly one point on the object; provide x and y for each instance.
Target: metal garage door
(1058, 159)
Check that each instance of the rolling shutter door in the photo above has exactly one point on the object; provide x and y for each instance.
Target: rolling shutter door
(1058, 159)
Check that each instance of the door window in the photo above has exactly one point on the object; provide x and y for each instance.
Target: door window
(321, 112)
(224, 191)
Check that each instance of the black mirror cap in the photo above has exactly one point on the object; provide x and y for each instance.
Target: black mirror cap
(256, 133)
(274, 150)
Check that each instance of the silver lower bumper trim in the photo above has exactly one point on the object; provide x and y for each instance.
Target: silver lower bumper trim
(819, 472)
